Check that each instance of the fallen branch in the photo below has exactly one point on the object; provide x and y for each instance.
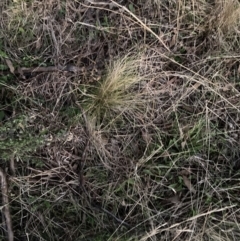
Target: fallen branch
(68, 68)
(22, 70)
(5, 208)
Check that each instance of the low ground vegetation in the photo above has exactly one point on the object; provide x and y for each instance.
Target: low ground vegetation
(119, 120)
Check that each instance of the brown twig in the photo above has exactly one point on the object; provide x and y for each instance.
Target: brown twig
(22, 70)
(68, 68)
(83, 158)
(5, 201)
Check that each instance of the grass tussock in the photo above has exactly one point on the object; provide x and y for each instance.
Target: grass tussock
(130, 131)
(228, 13)
(117, 91)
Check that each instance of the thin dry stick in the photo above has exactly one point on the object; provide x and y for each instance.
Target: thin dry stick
(69, 68)
(84, 153)
(5, 201)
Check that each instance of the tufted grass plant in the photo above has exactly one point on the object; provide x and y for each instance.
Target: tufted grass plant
(117, 91)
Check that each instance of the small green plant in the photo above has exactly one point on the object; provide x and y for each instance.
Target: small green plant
(17, 138)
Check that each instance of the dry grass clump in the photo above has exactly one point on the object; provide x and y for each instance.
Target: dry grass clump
(227, 15)
(143, 142)
(223, 24)
(117, 91)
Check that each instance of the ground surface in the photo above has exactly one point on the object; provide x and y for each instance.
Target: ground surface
(119, 120)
